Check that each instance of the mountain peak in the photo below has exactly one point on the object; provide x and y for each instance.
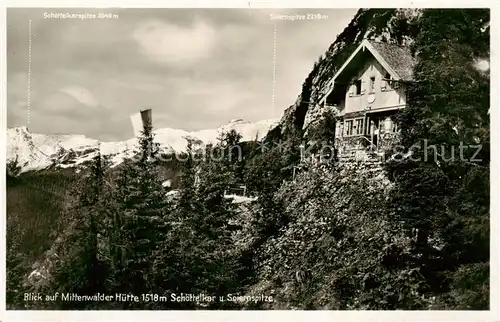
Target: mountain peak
(35, 151)
(19, 129)
(236, 121)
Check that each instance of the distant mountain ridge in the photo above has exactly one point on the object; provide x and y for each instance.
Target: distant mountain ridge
(35, 151)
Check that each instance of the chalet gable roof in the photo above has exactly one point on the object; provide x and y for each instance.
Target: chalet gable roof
(397, 60)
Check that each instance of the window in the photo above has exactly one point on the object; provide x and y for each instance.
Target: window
(381, 126)
(388, 124)
(369, 124)
(358, 87)
(349, 127)
(359, 127)
(354, 127)
(372, 84)
(395, 127)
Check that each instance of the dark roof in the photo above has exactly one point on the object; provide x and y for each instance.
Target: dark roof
(398, 57)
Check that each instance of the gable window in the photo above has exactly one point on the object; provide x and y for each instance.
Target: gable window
(358, 87)
(386, 84)
(372, 85)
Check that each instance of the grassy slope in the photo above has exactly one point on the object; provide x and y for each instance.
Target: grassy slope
(34, 206)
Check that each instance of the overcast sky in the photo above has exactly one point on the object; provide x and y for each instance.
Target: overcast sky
(196, 68)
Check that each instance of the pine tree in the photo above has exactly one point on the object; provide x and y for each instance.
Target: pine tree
(233, 155)
(82, 269)
(216, 264)
(195, 254)
(441, 194)
(141, 205)
(173, 266)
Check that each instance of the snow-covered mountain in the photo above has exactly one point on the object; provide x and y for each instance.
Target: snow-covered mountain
(35, 151)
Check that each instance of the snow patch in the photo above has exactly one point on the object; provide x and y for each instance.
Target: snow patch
(173, 192)
(240, 199)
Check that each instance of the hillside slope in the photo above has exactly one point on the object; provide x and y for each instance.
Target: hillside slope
(408, 234)
(415, 234)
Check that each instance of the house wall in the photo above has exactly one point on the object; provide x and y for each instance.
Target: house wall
(383, 98)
